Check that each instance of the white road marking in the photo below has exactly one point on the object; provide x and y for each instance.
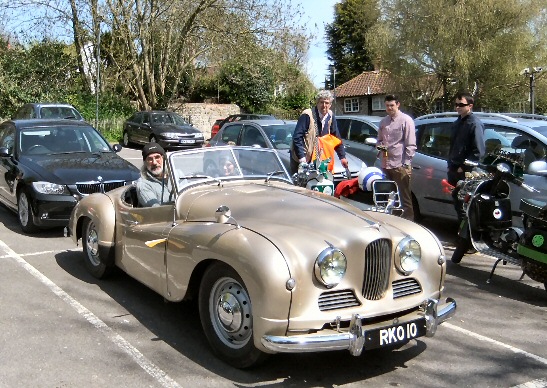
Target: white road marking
(43, 253)
(541, 383)
(493, 341)
(159, 375)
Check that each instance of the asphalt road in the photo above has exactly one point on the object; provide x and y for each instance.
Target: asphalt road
(60, 327)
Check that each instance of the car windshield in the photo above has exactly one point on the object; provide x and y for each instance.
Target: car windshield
(216, 164)
(59, 112)
(280, 135)
(168, 118)
(60, 139)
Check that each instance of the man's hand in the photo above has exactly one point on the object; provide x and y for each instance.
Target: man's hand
(344, 162)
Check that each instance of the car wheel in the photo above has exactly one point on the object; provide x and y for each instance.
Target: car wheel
(24, 213)
(226, 316)
(125, 139)
(95, 263)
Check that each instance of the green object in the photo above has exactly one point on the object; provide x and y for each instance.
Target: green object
(538, 240)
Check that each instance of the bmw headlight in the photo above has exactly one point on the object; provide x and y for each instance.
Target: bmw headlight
(170, 135)
(198, 135)
(50, 188)
(330, 267)
(408, 256)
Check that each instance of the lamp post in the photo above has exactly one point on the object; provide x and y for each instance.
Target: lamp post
(333, 71)
(531, 72)
(98, 73)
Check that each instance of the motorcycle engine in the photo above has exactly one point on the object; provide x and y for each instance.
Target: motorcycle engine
(507, 240)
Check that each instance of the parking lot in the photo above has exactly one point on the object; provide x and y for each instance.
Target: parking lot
(60, 327)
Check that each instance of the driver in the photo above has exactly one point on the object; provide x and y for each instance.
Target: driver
(153, 183)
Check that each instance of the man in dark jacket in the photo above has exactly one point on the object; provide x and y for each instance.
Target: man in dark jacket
(317, 121)
(466, 142)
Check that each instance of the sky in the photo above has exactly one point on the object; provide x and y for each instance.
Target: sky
(318, 12)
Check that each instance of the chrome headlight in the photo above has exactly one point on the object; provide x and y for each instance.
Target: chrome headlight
(408, 256)
(50, 188)
(198, 135)
(330, 267)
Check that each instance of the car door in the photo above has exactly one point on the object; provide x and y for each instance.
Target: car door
(145, 130)
(429, 169)
(9, 170)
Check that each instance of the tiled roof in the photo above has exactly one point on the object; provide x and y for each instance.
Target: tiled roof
(367, 83)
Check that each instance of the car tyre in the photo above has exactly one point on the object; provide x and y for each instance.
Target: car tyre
(226, 316)
(125, 140)
(416, 207)
(24, 213)
(98, 261)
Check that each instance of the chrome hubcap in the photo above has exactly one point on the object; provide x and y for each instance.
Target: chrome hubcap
(231, 312)
(92, 244)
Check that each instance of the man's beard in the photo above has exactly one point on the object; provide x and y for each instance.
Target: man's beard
(156, 172)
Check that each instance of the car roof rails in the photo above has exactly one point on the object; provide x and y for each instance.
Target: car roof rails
(498, 116)
(531, 116)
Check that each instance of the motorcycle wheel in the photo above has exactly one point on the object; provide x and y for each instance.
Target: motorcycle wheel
(462, 245)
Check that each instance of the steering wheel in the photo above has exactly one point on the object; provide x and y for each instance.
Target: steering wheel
(42, 149)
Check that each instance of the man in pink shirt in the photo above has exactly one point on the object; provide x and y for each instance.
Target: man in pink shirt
(397, 145)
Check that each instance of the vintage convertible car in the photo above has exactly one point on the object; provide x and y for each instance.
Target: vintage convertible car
(274, 267)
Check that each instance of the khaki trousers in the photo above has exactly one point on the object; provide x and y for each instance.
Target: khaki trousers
(401, 176)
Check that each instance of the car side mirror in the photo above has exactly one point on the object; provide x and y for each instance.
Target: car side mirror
(539, 167)
(117, 147)
(223, 214)
(4, 151)
(371, 141)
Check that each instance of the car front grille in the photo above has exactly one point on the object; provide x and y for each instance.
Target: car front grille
(377, 269)
(86, 188)
(333, 300)
(405, 287)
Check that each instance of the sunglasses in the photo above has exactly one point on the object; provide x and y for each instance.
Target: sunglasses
(460, 104)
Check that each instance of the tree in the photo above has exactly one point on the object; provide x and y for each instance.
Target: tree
(346, 37)
(435, 48)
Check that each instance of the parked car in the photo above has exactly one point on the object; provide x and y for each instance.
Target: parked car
(518, 134)
(273, 267)
(47, 110)
(277, 135)
(216, 127)
(46, 166)
(355, 130)
(168, 129)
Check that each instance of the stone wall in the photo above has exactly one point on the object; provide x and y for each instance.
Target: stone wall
(204, 115)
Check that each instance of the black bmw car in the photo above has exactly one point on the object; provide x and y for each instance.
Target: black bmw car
(168, 129)
(46, 166)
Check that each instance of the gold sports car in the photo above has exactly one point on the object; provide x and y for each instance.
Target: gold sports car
(274, 267)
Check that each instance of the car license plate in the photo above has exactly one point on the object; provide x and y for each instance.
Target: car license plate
(185, 141)
(396, 334)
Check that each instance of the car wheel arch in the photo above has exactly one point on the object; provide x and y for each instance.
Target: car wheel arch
(102, 210)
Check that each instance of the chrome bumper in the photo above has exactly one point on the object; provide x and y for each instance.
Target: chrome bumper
(354, 339)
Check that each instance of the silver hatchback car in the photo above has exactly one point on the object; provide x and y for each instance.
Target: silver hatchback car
(517, 133)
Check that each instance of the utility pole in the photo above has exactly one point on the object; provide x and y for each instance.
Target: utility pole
(531, 72)
(333, 71)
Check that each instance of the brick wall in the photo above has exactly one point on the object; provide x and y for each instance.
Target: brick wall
(204, 115)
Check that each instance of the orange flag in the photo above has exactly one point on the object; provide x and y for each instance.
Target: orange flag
(327, 144)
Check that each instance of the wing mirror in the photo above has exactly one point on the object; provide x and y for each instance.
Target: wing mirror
(223, 214)
(371, 141)
(539, 167)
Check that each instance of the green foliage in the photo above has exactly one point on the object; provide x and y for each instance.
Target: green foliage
(435, 48)
(247, 85)
(346, 37)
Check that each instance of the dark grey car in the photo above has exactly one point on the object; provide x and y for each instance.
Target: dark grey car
(275, 134)
(168, 129)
